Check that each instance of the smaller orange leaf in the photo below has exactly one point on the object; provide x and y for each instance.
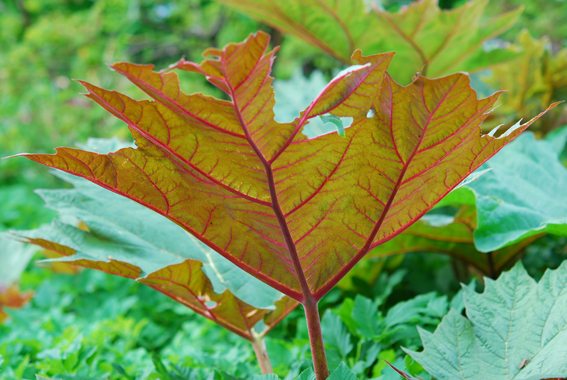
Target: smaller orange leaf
(12, 297)
(454, 238)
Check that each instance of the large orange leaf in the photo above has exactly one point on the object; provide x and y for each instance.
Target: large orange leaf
(296, 213)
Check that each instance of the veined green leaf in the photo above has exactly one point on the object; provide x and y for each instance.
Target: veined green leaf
(516, 329)
(143, 232)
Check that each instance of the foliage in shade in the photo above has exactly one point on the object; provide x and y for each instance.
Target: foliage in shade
(376, 331)
(523, 194)
(516, 329)
(424, 37)
(129, 240)
(453, 236)
(263, 195)
(534, 79)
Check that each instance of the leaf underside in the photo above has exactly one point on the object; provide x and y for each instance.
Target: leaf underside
(516, 329)
(296, 213)
(424, 37)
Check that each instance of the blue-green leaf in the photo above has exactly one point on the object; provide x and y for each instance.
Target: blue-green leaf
(516, 329)
(336, 335)
(523, 195)
(14, 258)
(342, 372)
(308, 374)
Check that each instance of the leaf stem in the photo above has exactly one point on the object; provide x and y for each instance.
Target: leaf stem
(316, 339)
(262, 355)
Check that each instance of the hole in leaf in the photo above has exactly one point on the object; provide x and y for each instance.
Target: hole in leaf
(210, 304)
(370, 113)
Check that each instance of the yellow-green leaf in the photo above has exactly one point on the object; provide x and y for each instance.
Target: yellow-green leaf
(425, 38)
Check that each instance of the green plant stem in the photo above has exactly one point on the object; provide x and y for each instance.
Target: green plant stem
(262, 355)
(316, 339)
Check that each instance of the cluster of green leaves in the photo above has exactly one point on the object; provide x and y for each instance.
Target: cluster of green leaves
(515, 329)
(93, 325)
(424, 37)
(536, 77)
